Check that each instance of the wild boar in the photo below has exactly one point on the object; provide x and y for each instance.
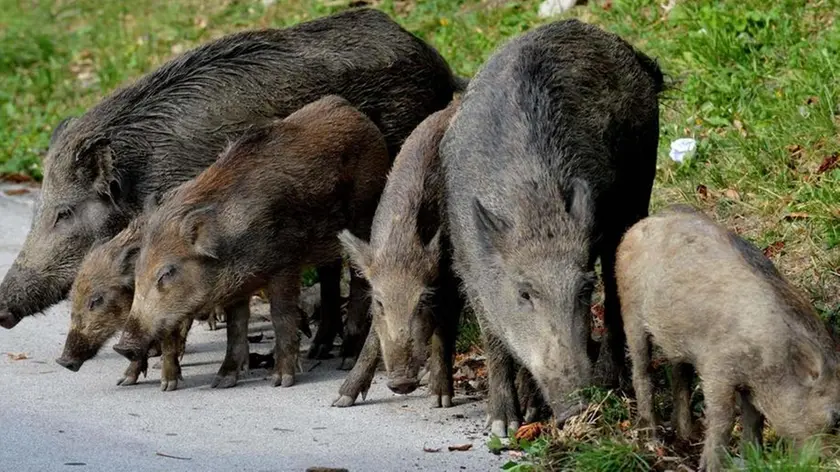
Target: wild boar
(550, 158)
(271, 205)
(415, 295)
(171, 124)
(713, 302)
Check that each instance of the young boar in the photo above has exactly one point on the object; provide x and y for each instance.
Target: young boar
(101, 299)
(272, 204)
(711, 300)
(550, 158)
(407, 264)
(169, 125)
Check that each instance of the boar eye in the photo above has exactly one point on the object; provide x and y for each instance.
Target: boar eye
(526, 298)
(95, 302)
(63, 215)
(166, 275)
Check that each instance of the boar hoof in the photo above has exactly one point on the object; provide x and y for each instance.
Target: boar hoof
(285, 380)
(442, 401)
(224, 380)
(127, 380)
(497, 427)
(347, 363)
(168, 385)
(344, 401)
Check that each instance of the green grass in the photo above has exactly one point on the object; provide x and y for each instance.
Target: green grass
(757, 83)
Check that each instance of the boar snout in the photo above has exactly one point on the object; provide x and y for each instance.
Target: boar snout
(402, 385)
(133, 347)
(71, 364)
(7, 319)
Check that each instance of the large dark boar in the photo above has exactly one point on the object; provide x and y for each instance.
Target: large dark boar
(172, 123)
(548, 161)
(407, 264)
(714, 302)
(272, 204)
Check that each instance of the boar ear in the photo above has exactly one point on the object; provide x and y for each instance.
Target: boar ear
(579, 202)
(59, 128)
(360, 252)
(433, 247)
(806, 361)
(490, 227)
(197, 228)
(126, 263)
(95, 160)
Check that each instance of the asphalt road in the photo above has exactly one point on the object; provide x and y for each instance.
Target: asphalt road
(54, 419)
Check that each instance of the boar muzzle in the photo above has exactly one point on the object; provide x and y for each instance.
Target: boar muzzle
(71, 364)
(132, 347)
(7, 319)
(402, 386)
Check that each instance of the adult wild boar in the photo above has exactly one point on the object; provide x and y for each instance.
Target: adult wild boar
(714, 302)
(171, 124)
(407, 264)
(549, 160)
(272, 204)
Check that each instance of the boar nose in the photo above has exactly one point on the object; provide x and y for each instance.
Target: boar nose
(131, 353)
(835, 422)
(72, 364)
(8, 320)
(402, 386)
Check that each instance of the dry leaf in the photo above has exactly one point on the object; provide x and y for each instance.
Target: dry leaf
(703, 192)
(16, 191)
(17, 356)
(812, 100)
(797, 215)
(516, 454)
(732, 194)
(624, 425)
(774, 249)
(529, 431)
(830, 162)
(15, 178)
(461, 447)
(795, 150)
(429, 449)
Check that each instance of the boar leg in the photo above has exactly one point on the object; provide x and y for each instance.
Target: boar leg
(236, 357)
(752, 421)
(283, 296)
(448, 307)
(682, 375)
(530, 396)
(132, 373)
(503, 406)
(611, 360)
(640, 354)
(720, 417)
(329, 277)
(360, 377)
(358, 322)
(172, 345)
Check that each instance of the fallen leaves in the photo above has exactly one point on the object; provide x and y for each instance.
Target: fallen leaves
(529, 431)
(829, 163)
(16, 178)
(703, 192)
(470, 372)
(774, 249)
(460, 447)
(797, 215)
(17, 356)
(431, 449)
(16, 192)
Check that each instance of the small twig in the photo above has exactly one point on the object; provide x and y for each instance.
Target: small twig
(173, 457)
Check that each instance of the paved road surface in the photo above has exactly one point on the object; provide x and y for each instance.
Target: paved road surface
(53, 419)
